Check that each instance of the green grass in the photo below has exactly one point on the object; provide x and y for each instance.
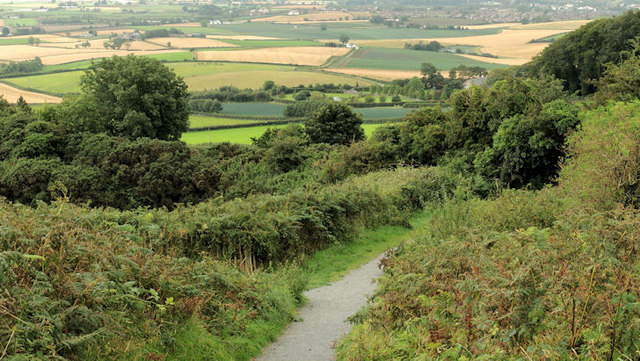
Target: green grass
(21, 22)
(57, 84)
(202, 121)
(383, 112)
(19, 41)
(241, 135)
(255, 109)
(236, 135)
(271, 43)
(332, 263)
(403, 59)
(68, 66)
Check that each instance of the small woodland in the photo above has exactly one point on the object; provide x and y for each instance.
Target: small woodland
(119, 242)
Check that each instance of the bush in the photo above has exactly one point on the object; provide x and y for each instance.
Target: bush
(335, 123)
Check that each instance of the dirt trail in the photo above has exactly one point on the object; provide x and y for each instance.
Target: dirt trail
(324, 318)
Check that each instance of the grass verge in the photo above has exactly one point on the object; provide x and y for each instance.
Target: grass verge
(333, 263)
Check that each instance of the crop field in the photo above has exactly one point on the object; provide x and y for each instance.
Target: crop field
(403, 59)
(186, 43)
(202, 121)
(234, 135)
(357, 31)
(58, 83)
(310, 17)
(287, 55)
(198, 76)
(512, 45)
(242, 135)
(21, 22)
(556, 25)
(12, 94)
(60, 55)
(273, 43)
(254, 109)
(381, 74)
(383, 112)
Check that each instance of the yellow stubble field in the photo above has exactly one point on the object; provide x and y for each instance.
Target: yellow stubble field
(302, 55)
(187, 43)
(12, 94)
(311, 17)
(512, 45)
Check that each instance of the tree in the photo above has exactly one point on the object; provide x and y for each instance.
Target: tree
(5, 31)
(344, 38)
(137, 97)
(334, 123)
(427, 69)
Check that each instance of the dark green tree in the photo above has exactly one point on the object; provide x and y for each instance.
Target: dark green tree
(137, 97)
(580, 57)
(335, 123)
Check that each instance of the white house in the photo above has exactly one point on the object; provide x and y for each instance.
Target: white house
(294, 12)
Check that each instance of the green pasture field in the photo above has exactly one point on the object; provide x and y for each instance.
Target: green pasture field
(254, 109)
(83, 64)
(241, 135)
(404, 59)
(21, 22)
(197, 75)
(202, 121)
(191, 29)
(56, 84)
(271, 43)
(19, 41)
(354, 30)
(383, 112)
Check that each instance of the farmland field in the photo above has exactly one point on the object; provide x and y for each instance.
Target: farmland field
(354, 30)
(242, 135)
(277, 43)
(254, 109)
(58, 83)
(198, 76)
(202, 121)
(383, 112)
(311, 17)
(403, 59)
(382, 74)
(285, 55)
(12, 94)
(186, 43)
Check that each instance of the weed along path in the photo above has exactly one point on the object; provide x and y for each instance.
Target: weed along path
(323, 320)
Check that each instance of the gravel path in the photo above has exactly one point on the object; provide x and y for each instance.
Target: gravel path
(324, 318)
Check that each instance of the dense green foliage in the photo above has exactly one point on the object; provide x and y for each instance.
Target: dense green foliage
(105, 282)
(334, 123)
(118, 242)
(552, 274)
(136, 97)
(26, 66)
(580, 57)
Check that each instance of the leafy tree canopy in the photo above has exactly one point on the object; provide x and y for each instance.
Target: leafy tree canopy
(335, 123)
(137, 97)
